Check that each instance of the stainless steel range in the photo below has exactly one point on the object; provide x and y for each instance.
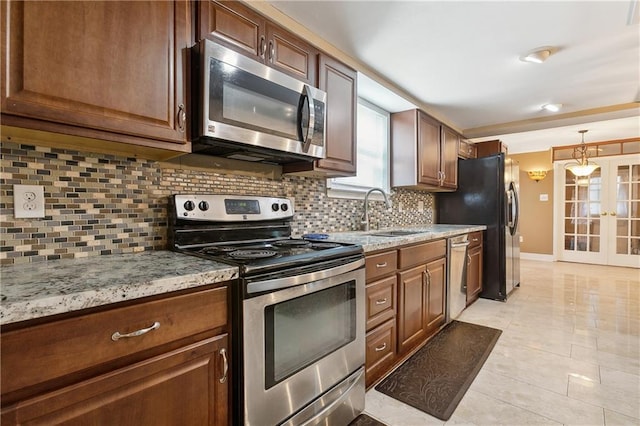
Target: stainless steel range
(298, 309)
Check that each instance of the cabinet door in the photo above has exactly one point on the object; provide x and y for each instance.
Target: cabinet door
(412, 297)
(436, 296)
(233, 25)
(186, 386)
(449, 161)
(111, 66)
(340, 83)
(474, 274)
(429, 150)
(291, 55)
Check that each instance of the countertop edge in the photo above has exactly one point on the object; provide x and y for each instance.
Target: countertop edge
(31, 305)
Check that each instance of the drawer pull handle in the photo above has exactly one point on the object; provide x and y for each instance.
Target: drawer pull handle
(225, 365)
(116, 336)
(381, 301)
(381, 265)
(381, 348)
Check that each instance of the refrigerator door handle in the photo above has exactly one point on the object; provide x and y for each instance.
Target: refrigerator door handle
(514, 209)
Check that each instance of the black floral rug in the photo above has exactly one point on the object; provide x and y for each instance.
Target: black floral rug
(435, 378)
(364, 420)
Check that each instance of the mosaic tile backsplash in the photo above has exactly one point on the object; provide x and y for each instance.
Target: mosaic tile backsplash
(99, 204)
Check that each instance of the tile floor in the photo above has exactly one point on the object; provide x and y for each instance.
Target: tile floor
(569, 353)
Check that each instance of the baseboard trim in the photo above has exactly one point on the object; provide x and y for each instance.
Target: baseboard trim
(537, 256)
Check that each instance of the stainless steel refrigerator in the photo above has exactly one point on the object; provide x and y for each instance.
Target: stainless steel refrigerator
(487, 194)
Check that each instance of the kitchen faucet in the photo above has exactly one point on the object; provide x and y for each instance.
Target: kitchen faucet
(365, 218)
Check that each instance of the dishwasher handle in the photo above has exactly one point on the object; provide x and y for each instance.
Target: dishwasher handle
(462, 244)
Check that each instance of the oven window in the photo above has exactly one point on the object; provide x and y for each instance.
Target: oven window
(303, 330)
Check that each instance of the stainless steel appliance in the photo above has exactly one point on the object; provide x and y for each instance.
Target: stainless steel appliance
(298, 309)
(456, 276)
(249, 111)
(488, 195)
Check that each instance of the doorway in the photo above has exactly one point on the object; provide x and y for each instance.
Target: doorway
(597, 218)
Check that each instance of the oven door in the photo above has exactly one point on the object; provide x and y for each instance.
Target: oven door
(302, 342)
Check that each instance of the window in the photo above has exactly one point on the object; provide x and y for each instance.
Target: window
(373, 155)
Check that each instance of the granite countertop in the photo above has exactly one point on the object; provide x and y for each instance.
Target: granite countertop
(371, 243)
(37, 290)
(46, 288)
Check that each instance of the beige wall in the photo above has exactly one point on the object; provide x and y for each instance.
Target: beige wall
(536, 216)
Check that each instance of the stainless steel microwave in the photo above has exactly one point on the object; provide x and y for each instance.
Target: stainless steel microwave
(249, 111)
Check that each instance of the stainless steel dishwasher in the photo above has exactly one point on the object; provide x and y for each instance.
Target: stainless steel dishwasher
(456, 275)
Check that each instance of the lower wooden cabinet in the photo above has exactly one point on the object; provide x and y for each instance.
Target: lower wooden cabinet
(412, 320)
(474, 267)
(406, 300)
(436, 294)
(381, 351)
(163, 360)
(186, 386)
(421, 307)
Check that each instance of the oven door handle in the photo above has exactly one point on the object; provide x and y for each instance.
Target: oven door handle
(344, 395)
(281, 283)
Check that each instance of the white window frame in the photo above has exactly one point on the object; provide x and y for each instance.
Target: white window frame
(338, 189)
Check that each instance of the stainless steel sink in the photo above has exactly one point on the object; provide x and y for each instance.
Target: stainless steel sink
(393, 233)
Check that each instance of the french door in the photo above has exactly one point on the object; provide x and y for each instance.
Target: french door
(598, 217)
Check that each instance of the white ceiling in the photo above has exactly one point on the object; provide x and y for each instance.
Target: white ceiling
(461, 59)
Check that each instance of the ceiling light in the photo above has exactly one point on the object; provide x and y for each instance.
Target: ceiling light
(552, 107)
(582, 166)
(537, 56)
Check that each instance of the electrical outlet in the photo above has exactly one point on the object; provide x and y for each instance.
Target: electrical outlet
(28, 201)
(421, 206)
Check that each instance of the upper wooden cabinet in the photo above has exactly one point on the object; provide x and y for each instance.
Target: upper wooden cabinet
(243, 30)
(467, 150)
(450, 142)
(340, 84)
(424, 152)
(105, 70)
(487, 148)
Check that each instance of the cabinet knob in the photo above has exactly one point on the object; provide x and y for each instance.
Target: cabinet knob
(182, 118)
(117, 336)
(381, 265)
(381, 348)
(612, 214)
(604, 214)
(272, 51)
(381, 301)
(225, 365)
(262, 47)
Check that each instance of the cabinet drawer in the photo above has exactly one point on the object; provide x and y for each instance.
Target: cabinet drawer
(381, 264)
(52, 350)
(381, 344)
(381, 301)
(475, 239)
(381, 349)
(421, 253)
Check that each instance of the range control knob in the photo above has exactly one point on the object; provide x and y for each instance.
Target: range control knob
(275, 207)
(189, 205)
(203, 205)
(284, 207)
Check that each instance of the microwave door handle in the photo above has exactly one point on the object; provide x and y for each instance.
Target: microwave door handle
(308, 137)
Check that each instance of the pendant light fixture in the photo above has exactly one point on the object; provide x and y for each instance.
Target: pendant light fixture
(582, 166)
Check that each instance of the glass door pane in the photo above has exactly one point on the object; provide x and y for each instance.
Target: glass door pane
(626, 209)
(582, 212)
(622, 205)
